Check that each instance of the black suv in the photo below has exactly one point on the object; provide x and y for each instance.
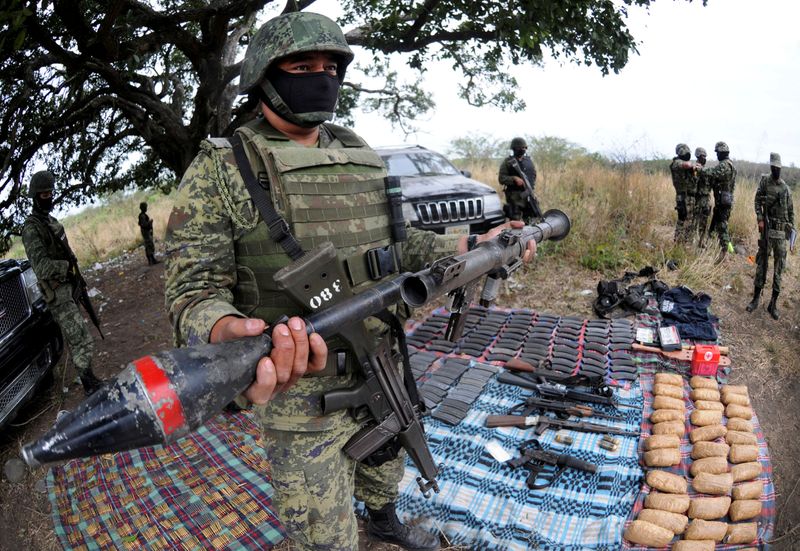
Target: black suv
(30, 339)
(439, 197)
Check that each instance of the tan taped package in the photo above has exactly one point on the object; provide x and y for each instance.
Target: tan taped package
(704, 394)
(667, 482)
(710, 449)
(668, 390)
(669, 379)
(748, 490)
(674, 503)
(738, 399)
(703, 382)
(665, 402)
(735, 410)
(674, 522)
(648, 534)
(735, 389)
(705, 417)
(714, 484)
(709, 508)
(662, 457)
(669, 427)
(661, 415)
(739, 424)
(746, 471)
(741, 437)
(744, 509)
(709, 404)
(707, 433)
(694, 545)
(742, 532)
(712, 465)
(658, 441)
(743, 453)
(700, 529)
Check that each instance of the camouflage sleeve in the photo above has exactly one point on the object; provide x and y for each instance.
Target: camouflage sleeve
(760, 198)
(201, 267)
(717, 173)
(504, 175)
(424, 247)
(43, 266)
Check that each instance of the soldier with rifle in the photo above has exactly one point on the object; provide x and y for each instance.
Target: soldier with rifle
(775, 214)
(283, 185)
(723, 182)
(61, 282)
(517, 175)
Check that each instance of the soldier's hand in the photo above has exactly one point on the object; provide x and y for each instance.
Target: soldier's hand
(518, 181)
(530, 252)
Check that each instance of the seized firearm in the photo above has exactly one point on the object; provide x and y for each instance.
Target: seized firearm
(563, 409)
(561, 391)
(159, 398)
(534, 458)
(81, 294)
(533, 203)
(541, 423)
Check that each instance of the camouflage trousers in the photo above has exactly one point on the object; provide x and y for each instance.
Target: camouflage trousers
(685, 227)
(702, 209)
(719, 224)
(73, 327)
(149, 245)
(778, 249)
(315, 481)
(517, 206)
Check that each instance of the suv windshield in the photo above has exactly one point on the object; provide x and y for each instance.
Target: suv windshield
(422, 163)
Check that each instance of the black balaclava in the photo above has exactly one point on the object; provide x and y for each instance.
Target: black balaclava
(776, 172)
(143, 207)
(305, 99)
(685, 156)
(44, 205)
(518, 152)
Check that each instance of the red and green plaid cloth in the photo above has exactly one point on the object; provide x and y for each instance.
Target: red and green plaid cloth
(210, 490)
(766, 523)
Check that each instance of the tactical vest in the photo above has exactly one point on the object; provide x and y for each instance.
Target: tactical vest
(703, 185)
(728, 184)
(776, 197)
(334, 194)
(54, 238)
(682, 178)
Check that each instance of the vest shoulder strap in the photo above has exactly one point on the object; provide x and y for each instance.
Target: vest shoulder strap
(345, 135)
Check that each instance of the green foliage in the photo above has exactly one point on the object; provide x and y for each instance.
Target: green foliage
(477, 148)
(554, 151)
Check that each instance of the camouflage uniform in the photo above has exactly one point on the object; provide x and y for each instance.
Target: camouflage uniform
(683, 181)
(51, 264)
(702, 205)
(146, 227)
(223, 265)
(723, 182)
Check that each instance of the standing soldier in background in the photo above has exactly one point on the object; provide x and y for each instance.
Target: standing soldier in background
(146, 225)
(775, 214)
(52, 260)
(702, 203)
(723, 181)
(683, 180)
(510, 175)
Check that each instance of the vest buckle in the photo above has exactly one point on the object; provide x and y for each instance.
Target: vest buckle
(381, 262)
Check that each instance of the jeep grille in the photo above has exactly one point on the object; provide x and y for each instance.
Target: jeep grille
(13, 304)
(454, 210)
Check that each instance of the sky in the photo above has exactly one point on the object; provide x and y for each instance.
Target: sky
(729, 71)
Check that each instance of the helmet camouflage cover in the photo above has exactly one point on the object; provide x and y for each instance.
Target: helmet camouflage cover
(288, 34)
(700, 152)
(682, 149)
(518, 143)
(722, 147)
(44, 180)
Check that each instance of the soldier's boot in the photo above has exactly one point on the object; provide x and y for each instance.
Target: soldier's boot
(385, 526)
(90, 382)
(773, 306)
(151, 259)
(756, 296)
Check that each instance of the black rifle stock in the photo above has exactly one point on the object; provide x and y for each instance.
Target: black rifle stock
(81, 295)
(529, 196)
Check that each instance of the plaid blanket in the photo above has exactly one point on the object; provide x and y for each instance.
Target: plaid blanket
(210, 490)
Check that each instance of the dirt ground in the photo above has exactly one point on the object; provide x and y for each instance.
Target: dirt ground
(763, 354)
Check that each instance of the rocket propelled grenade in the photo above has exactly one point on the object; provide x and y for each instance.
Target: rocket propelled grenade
(159, 398)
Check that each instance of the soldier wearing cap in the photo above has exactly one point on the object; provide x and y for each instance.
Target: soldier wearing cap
(517, 207)
(51, 257)
(702, 203)
(683, 181)
(723, 182)
(320, 183)
(775, 214)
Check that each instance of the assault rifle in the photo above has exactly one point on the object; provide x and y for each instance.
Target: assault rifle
(533, 203)
(534, 458)
(546, 389)
(541, 423)
(159, 398)
(562, 408)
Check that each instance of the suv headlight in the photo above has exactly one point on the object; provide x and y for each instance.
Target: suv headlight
(32, 290)
(491, 203)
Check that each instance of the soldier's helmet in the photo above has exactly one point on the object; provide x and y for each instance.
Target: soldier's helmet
(722, 147)
(518, 143)
(682, 149)
(288, 34)
(775, 159)
(41, 181)
(700, 152)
